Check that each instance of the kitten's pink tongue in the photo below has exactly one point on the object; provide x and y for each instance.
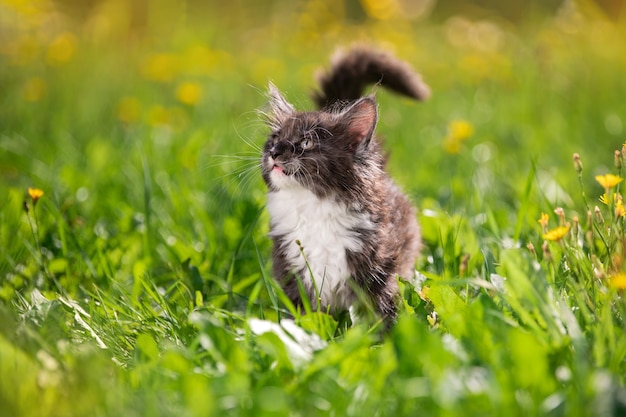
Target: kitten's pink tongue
(277, 168)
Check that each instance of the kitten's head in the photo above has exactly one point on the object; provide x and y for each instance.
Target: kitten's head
(317, 150)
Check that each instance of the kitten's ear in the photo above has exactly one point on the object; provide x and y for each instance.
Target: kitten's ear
(280, 109)
(360, 119)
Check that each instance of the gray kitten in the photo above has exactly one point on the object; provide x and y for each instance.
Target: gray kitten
(338, 221)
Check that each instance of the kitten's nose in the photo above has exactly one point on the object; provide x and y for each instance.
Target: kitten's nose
(277, 150)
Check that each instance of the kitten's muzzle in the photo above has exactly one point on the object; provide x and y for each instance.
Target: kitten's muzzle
(274, 164)
(274, 159)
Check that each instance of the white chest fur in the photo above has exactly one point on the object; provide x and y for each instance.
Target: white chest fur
(326, 229)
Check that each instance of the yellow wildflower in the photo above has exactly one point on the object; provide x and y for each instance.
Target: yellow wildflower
(381, 9)
(461, 129)
(189, 93)
(34, 89)
(619, 207)
(604, 199)
(618, 281)
(158, 116)
(161, 67)
(128, 109)
(557, 233)
(35, 194)
(543, 221)
(609, 180)
(451, 146)
(458, 132)
(171, 117)
(62, 49)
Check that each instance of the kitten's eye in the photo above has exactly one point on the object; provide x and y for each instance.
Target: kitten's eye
(306, 143)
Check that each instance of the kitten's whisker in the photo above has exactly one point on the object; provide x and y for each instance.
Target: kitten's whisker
(251, 144)
(323, 129)
(226, 160)
(248, 165)
(308, 179)
(238, 156)
(241, 178)
(248, 142)
(249, 171)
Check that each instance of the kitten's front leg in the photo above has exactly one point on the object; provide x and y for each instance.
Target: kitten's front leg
(387, 307)
(376, 286)
(287, 278)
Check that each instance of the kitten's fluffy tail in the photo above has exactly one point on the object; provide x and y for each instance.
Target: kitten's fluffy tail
(353, 70)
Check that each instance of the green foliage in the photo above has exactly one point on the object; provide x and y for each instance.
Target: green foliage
(140, 284)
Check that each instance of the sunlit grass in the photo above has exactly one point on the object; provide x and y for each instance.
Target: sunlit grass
(134, 258)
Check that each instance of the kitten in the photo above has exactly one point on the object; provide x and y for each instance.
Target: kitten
(338, 222)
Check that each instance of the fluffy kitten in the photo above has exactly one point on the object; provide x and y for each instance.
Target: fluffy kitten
(338, 222)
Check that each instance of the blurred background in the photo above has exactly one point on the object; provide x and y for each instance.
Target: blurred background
(104, 99)
(138, 120)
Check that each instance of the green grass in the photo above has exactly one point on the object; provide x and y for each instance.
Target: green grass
(140, 283)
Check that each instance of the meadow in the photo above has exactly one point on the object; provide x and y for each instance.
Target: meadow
(135, 267)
